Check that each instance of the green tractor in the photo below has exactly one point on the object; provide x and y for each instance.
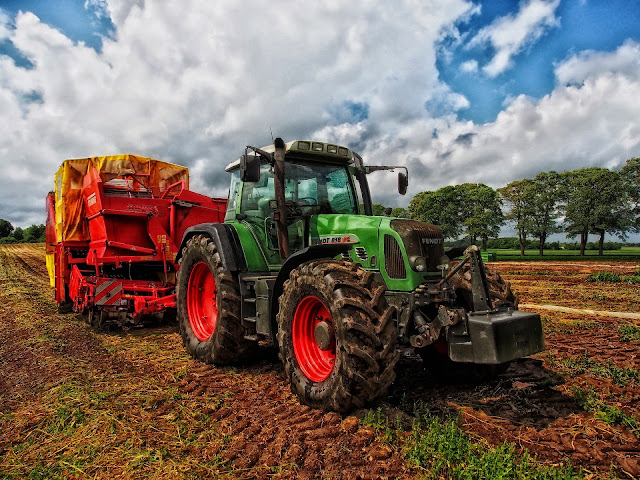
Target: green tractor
(300, 262)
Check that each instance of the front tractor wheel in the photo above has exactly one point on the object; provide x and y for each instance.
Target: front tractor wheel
(208, 305)
(337, 336)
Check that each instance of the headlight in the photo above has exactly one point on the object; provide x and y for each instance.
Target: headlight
(419, 264)
(444, 263)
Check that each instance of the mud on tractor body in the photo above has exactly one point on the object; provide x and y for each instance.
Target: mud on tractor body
(300, 262)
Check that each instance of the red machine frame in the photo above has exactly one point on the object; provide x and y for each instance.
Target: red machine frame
(127, 266)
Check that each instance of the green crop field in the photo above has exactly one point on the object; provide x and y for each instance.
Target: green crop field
(625, 253)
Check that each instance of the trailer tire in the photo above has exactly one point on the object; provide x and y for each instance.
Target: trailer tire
(337, 336)
(208, 305)
(65, 307)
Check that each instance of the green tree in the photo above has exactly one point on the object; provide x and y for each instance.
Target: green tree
(378, 210)
(441, 208)
(631, 178)
(547, 193)
(615, 213)
(481, 211)
(18, 234)
(400, 212)
(597, 202)
(34, 234)
(519, 198)
(472, 209)
(5, 228)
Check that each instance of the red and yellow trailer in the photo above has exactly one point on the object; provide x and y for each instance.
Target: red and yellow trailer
(114, 226)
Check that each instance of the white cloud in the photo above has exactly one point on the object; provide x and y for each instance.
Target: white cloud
(470, 66)
(195, 81)
(594, 123)
(5, 25)
(99, 8)
(578, 68)
(511, 34)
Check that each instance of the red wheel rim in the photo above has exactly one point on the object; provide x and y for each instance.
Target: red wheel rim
(201, 301)
(316, 364)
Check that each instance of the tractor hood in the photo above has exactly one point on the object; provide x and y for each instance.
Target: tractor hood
(352, 229)
(406, 252)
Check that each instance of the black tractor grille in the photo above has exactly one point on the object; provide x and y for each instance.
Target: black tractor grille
(393, 260)
(421, 239)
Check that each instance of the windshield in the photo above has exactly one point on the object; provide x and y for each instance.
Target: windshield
(319, 188)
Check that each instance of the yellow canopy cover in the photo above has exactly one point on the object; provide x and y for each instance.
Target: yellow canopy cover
(71, 224)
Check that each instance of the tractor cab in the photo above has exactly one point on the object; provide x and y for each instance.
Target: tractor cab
(319, 179)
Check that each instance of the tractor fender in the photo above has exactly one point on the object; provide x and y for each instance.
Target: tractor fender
(226, 239)
(313, 252)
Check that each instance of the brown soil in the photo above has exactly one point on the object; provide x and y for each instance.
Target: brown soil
(132, 404)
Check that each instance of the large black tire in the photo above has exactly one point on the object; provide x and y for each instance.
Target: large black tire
(208, 305)
(357, 364)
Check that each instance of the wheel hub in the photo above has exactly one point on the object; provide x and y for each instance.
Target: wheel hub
(324, 335)
(313, 337)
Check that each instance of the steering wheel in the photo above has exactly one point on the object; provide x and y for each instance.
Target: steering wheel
(293, 209)
(308, 202)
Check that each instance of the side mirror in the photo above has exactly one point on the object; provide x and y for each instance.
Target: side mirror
(403, 183)
(249, 168)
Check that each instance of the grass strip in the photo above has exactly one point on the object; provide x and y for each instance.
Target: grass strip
(443, 450)
(440, 448)
(589, 401)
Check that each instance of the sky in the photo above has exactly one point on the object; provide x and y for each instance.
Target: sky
(456, 90)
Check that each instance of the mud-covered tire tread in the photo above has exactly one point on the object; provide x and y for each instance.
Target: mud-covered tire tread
(366, 334)
(227, 343)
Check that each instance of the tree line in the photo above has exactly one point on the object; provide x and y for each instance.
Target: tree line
(581, 202)
(32, 234)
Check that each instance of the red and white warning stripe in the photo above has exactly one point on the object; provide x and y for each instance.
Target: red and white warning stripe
(108, 292)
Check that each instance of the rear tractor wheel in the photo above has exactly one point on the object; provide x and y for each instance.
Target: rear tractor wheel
(337, 336)
(208, 305)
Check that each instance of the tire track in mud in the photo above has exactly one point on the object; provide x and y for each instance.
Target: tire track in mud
(34, 266)
(262, 425)
(38, 347)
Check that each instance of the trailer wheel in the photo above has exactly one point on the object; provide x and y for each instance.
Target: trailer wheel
(65, 307)
(95, 320)
(337, 336)
(208, 305)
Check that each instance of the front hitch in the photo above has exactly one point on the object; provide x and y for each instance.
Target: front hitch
(489, 334)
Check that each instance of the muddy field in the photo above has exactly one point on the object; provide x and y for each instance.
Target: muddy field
(132, 404)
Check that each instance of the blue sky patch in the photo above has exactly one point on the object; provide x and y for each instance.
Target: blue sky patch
(79, 20)
(582, 25)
